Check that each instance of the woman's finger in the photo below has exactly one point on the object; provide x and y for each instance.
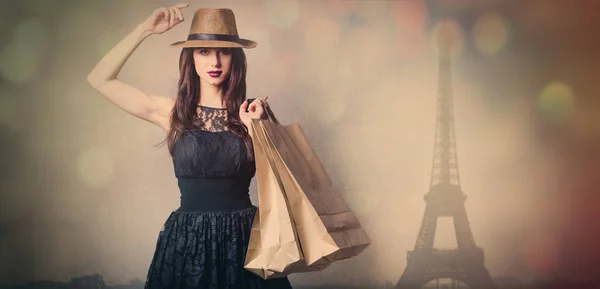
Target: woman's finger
(244, 106)
(259, 103)
(178, 13)
(167, 13)
(173, 17)
(254, 103)
(164, 12)
(259, 111)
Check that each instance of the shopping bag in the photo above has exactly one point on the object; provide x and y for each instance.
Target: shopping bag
(273, 248)
(327, 229)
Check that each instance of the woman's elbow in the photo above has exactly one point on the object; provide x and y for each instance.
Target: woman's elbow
(93, 80)
(96, 81)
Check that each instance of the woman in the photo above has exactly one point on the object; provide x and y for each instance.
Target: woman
(203, 243)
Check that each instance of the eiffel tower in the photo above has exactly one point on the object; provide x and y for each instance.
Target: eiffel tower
(445, 199)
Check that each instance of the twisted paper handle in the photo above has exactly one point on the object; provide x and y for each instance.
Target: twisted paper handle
(270, 115)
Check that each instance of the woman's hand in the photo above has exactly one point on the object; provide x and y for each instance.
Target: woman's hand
(164, 18)
(255, 110)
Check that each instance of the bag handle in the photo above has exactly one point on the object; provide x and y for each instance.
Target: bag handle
(270, 116)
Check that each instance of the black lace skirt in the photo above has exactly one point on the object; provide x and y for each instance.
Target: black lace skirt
(206, 250)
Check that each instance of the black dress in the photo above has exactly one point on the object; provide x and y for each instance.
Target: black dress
(203, 243)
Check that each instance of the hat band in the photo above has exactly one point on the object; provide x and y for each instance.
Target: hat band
(218, 37)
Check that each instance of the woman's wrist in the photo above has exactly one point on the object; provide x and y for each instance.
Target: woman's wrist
(250, 132)
(142, 30)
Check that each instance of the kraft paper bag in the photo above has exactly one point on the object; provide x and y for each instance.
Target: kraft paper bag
(273, 249)
(301, 209)
(328, 230)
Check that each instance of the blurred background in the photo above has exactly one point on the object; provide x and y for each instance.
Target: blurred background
(85, 190)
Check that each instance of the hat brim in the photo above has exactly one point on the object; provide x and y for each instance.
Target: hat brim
(242, 43)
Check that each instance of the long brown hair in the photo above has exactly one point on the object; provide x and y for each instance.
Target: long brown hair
(188, 97)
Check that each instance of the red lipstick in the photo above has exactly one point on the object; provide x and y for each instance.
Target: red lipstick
(215, 73)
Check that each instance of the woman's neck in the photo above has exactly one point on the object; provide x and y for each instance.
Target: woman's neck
(211, 95)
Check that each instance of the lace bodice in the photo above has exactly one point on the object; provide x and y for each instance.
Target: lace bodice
(212, 151)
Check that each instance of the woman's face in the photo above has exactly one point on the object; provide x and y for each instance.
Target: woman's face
(213, 65)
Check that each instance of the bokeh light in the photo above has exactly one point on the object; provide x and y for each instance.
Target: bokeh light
(19, 59)
(411, 16)
(412, 36)
(490, 33)
(33, 32)
(95, 167)
(451, 28)
(367, 82)
(17, 62)
(282, 14)
(557, 102)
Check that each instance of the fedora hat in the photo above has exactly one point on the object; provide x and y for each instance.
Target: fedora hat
(214, 28)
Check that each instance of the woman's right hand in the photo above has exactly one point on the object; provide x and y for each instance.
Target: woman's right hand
(164, 18)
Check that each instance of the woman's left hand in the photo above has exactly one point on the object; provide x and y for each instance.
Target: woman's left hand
(255, 110)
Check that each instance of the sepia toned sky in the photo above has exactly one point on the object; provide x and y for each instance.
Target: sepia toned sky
(84, 189)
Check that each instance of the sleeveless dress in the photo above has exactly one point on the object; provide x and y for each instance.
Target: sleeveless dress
(203, 243)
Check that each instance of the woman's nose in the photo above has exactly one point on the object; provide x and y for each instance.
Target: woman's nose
(217, 60)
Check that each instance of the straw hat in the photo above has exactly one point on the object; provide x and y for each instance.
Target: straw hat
(214, 28)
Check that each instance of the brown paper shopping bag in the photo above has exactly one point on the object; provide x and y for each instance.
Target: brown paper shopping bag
(327, 229)
(273, 249)
(302, 210)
